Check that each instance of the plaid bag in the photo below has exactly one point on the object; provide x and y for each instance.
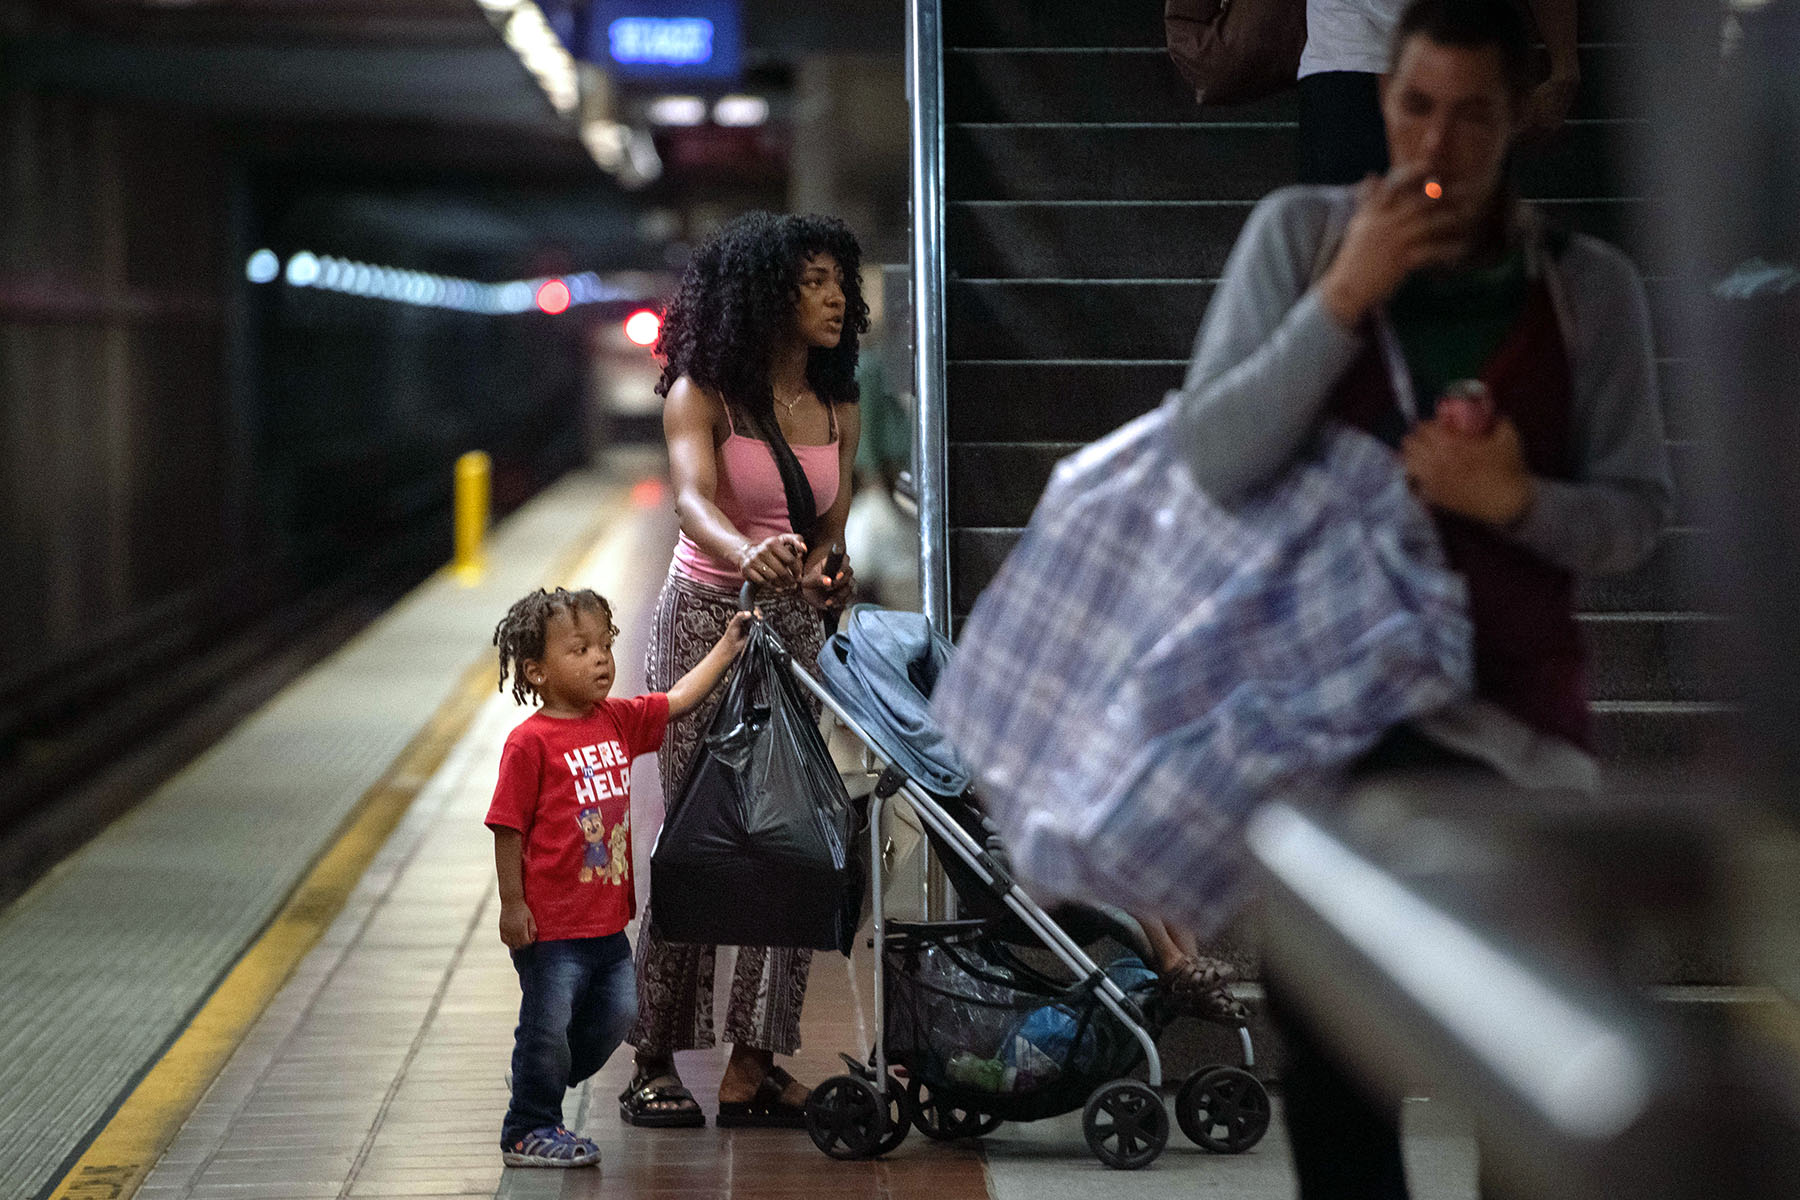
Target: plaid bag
(1147, 666)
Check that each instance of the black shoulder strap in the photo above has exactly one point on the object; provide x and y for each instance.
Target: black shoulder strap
(803, 507)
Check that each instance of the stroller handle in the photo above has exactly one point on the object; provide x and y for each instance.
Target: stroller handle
(833, 561)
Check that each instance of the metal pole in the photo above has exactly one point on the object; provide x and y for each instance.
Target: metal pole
(877, 889)
(931, 467)
(924, 86)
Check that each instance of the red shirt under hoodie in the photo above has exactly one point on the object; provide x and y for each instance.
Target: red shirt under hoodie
(565, 784)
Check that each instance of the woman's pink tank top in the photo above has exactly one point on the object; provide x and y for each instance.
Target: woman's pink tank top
(750, 494)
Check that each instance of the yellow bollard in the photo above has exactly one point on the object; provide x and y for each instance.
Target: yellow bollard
(472, 472)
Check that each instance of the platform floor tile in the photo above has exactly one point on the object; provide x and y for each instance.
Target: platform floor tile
(102, 963)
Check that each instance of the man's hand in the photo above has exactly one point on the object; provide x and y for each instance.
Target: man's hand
(1482, 477)
(1396, 230)
(518, 928)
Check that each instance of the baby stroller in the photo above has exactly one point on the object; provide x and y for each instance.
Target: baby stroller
(1002, 1016)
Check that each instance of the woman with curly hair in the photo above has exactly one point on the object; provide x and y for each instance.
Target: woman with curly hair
(761, 422)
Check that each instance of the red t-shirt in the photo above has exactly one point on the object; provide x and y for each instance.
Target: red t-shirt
(566, 785)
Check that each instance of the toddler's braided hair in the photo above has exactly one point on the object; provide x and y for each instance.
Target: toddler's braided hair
(520, 633)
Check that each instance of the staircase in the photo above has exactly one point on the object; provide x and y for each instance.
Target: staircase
(1089, 208)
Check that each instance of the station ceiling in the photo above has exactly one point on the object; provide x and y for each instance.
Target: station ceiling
(438, 61)
(407, 114)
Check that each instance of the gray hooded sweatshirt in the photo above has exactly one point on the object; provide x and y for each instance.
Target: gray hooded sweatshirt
(1269, 355)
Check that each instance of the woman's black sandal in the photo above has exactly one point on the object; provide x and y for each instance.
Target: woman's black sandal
(636, 1101)
(766, 1109)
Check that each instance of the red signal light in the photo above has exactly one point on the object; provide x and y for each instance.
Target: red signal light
(643, 327)
(553, 296)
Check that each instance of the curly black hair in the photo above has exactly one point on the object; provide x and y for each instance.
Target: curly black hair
(737, 300)
(520, 633)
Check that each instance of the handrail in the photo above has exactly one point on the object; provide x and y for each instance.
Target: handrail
(925, 92)
(1573, 1082)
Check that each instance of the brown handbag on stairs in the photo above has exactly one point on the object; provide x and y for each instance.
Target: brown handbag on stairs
(1234, 51)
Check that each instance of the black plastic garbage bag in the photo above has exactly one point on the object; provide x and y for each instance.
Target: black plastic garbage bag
(756, 852)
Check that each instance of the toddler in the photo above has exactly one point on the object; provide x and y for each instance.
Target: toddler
(561, 817)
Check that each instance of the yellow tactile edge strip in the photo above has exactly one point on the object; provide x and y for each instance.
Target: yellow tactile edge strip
(121, 1155)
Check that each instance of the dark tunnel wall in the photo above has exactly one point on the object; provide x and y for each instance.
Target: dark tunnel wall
(184, 452)
(112, 358)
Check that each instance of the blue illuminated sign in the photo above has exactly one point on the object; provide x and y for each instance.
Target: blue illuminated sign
(664, 41)
(676, 42)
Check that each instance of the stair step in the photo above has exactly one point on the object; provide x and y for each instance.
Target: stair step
(1033, 23)
(1132, 318)
(1657, 656)
(1078, 400)
(1004, 240)
(1113, 83)
(1066, 401)
(1114, 239)
(1141, 83)
(975, 558)
(1640, 732)
(1203, 161)
(1669, 581)
(1031, 319)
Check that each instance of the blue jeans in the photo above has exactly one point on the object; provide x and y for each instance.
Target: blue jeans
(580, 999)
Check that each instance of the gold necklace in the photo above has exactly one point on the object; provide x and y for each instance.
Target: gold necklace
(788, 406)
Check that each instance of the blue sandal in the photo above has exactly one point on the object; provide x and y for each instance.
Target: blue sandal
(551, 1146)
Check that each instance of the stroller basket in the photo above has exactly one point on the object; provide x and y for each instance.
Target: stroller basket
(980, 1027)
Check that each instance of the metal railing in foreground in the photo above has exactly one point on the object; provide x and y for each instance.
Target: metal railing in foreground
(1484, 979)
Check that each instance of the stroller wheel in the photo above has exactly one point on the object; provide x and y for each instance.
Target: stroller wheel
(846, 1118)
(1126, 1124)
(1223, 1109)
(898, 1118)
(944, 1120)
